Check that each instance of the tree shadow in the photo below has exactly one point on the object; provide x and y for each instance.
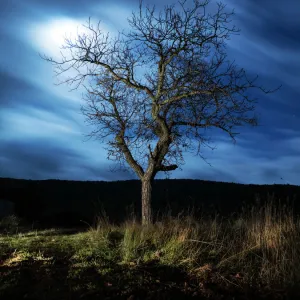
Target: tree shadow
(64, 278)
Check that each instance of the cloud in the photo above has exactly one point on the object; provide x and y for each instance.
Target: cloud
(17, 93)
(43, 158)
(34, 158)
(253, 159)
(269, 37)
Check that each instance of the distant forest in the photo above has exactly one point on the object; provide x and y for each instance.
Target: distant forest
(65, 203)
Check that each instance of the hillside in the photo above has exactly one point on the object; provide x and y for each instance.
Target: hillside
(67, 201)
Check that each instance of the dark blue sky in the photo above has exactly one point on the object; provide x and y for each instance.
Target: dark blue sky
(42, 131)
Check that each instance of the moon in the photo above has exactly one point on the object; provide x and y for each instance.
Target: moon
(50, 36)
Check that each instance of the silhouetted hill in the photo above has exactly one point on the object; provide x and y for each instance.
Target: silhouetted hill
(62, 201)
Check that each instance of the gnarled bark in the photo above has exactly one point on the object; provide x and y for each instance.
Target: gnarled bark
(146, 201)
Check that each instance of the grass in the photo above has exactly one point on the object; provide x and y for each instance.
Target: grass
(254, 254)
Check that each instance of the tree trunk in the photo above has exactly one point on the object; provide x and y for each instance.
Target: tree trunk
(146, 201)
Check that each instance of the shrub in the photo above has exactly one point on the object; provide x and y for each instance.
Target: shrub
(9, 223)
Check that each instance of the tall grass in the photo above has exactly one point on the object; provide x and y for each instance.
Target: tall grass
(257, 248)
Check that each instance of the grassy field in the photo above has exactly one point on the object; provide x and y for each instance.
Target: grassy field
(254, 254)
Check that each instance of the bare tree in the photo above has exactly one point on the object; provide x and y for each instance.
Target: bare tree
(156, 89)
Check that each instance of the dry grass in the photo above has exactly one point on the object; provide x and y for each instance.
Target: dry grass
(257, 250)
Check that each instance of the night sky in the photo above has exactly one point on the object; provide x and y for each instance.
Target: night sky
(42, 130)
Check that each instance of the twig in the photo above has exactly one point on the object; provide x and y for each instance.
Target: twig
(233, 256)
(203, 242)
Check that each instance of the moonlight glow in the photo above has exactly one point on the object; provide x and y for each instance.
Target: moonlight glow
(50, 36)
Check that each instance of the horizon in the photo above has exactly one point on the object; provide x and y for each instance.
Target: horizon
(43, 131)
(124, 180)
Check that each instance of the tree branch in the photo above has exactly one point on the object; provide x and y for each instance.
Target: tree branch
(167, 168)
